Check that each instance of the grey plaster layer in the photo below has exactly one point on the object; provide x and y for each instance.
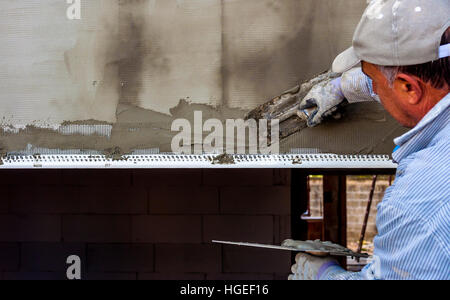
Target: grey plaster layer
(270, 46)
(53, 69)
(172, 49)
(124, 67)
(364, 129)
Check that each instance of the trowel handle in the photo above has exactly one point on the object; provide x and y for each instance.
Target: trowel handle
(305, 114)
(309, 111)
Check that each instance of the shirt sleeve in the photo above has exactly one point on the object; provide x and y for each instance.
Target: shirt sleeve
(408, 247)
(338, 273)
(357, 87)
(405, 249)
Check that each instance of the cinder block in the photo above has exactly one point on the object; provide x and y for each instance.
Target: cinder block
(30, 228)
(167, 229)
(157, 178)
(241, 177)
(255, 200)
(171, 276)
(48, 199)
(34, 276)
(97, 229)
(276, 230)
(184, 200)
(253, 260)
(113, 200)
(30, 177)
(238, 228)
(282, 177)
(281, 276)
(81, 177)
(282, 229)
(50, 257)
(188, 258)
(78, 200)
(239, 276)
(110, 276)
(9, 256)
(120, 258)
(4, 199)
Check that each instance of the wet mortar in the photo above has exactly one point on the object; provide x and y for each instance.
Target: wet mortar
(223, 159)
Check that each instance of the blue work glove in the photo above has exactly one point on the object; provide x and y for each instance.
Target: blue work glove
(309, 267)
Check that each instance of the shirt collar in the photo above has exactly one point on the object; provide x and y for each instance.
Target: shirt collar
(419, 137)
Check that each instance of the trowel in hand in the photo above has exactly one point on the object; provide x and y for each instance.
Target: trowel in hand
(285, 107)
(316, 247)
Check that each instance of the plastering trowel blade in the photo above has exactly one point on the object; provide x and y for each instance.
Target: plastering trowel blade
(285, 107)
(318, 248)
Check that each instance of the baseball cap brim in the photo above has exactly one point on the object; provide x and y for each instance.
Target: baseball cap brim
(345, 61)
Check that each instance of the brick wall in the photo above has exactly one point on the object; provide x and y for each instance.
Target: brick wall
(358, 190)
(143, 224)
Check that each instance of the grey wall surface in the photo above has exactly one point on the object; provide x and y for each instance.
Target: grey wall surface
(127, 64)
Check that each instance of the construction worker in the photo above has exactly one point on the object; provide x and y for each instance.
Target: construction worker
(403, 47)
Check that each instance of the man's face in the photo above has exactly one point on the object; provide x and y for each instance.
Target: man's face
(392, 97)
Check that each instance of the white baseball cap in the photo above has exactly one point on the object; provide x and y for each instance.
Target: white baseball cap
(398, 33)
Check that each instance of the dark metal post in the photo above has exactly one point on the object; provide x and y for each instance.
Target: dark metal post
(366, 217)
(335, 210)
(299, 205)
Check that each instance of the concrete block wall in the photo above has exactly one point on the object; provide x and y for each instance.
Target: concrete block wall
(143, 224)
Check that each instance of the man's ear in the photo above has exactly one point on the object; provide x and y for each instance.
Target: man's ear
(408, 88)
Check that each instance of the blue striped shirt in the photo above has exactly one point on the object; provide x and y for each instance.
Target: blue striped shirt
(413, 220)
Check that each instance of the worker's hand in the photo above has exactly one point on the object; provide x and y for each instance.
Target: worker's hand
(321, 101)
(309, 267)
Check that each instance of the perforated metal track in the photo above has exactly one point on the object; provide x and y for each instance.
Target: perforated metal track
(170, 161)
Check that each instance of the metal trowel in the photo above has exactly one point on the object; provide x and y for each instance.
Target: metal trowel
(285, 107)
(317, 248)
